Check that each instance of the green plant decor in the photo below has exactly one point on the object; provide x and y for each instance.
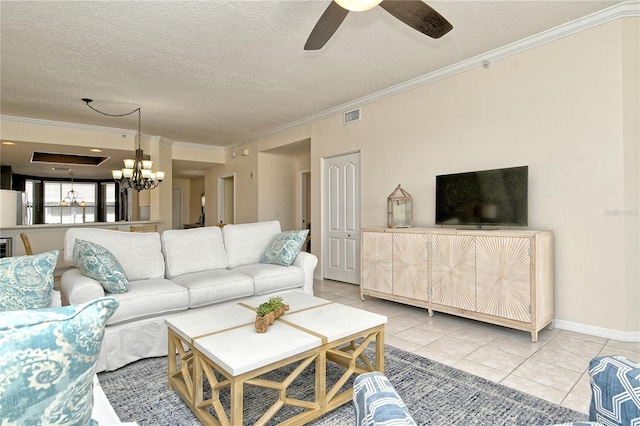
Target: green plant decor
(271, 305)
(268, 311)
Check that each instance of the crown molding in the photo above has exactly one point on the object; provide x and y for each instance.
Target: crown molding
(622, 10)
(62, 124)
(198, 145)
(161, 139)
(67, 125)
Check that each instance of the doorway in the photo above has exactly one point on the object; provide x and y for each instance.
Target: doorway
(305, 206)
(341, 218)
(176, 209)
(226, 199)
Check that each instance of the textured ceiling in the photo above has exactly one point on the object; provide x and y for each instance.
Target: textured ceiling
(222, 72)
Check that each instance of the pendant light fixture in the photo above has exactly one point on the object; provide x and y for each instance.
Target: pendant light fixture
(137, 173)
(73, 199)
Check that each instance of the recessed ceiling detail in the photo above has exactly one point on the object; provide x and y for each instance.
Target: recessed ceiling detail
(57, 158)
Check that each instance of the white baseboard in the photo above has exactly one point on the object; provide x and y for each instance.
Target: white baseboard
(623, 336)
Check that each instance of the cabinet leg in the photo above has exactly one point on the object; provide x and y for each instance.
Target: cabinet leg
(550, 326)
(430, 312)
(534, 336)
(361, 296)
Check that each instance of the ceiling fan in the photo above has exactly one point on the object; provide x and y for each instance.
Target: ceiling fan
(414, 13)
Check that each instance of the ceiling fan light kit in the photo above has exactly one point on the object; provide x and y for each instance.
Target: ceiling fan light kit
(358, 5)
(414, 13)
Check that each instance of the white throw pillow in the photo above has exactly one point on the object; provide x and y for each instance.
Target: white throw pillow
(193, 250)
(246, 243)
(139, 253)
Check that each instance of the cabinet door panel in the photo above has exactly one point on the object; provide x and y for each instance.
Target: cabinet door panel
(503, 277)
(453, 271)
(410, 265)
(376, 261)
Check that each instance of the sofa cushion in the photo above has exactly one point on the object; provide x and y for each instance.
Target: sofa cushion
(100, 264)
(268, 278)
(193, 250)
(26, 282)
(149, 298)
(246, 243)
(285, 247)
(48, 362)
(208, 287)
(139, 253)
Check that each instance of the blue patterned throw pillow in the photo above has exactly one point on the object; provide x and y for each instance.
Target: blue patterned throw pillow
(285, 248)
(100, 264)
(47, 363)
(26, 282)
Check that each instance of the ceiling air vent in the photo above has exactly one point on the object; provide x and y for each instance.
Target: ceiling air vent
(351, 116)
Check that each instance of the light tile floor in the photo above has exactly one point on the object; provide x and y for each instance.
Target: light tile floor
(554, 368)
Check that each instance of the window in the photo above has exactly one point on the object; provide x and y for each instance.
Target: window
(109, 201)
(29, 202)
(55, 192)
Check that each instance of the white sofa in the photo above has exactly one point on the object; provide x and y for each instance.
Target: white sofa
(176, 271)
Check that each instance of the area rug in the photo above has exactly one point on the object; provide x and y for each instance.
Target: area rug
(435, 394)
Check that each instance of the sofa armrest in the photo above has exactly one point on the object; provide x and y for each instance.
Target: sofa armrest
(615, 391)
(76, 288)
(307, 262)
(376, 402)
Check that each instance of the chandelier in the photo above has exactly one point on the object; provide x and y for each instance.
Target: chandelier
(137, 173)
(72, 199)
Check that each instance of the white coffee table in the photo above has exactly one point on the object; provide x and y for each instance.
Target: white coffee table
(223, 339)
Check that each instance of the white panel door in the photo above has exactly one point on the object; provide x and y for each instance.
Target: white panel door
(342, 218)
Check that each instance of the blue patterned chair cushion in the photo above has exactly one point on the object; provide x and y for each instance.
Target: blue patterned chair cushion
(47, 362)
(615, 391)
(98, 263)
(26, 282)
(376, 402)
(285, 248)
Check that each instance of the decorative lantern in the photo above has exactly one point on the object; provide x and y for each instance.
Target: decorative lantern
(399, 209)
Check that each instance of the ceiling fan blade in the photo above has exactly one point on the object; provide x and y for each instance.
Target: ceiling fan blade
(326, 26)
(419, 16)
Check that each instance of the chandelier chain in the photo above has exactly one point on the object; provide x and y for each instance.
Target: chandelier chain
(137, 173)
(139, 110)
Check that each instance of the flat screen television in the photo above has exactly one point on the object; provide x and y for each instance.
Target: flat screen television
(495, 197)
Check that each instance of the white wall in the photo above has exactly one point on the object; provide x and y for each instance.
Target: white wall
(246, 185)
(557, 108)
(279, 195)
(569, 110)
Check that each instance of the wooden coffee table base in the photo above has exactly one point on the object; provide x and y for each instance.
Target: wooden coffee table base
(189, 370)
